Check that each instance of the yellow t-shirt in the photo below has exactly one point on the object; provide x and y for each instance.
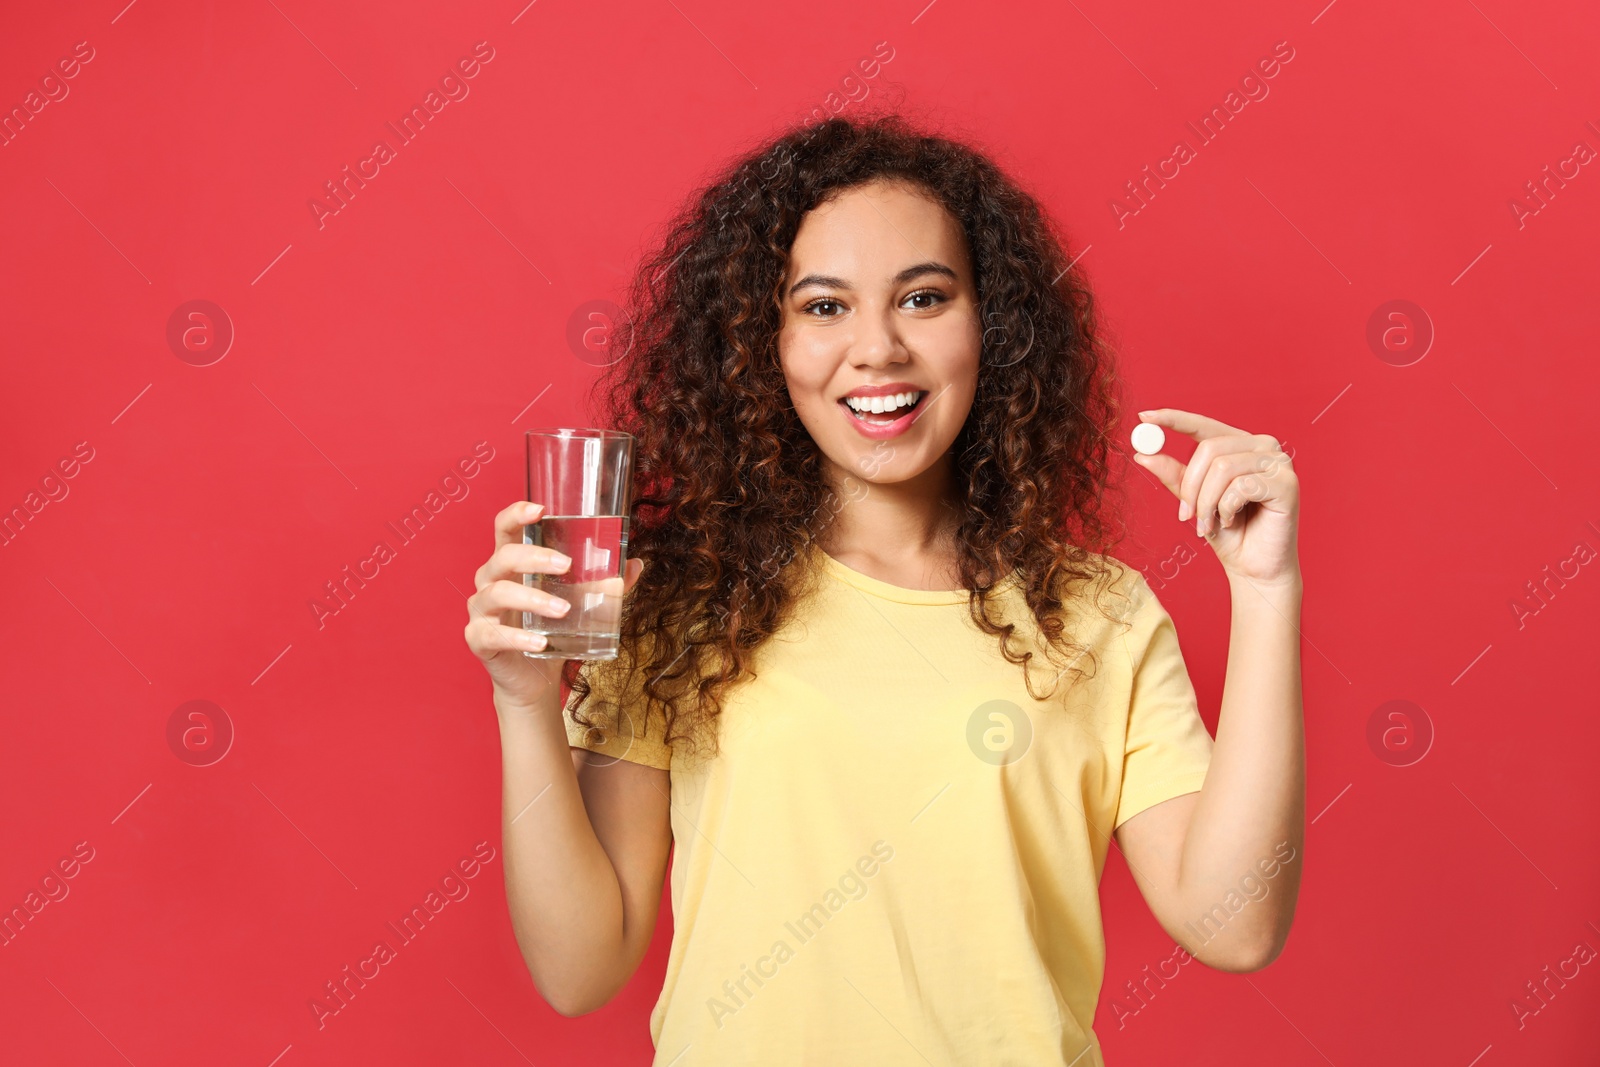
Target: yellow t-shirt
(895, 857)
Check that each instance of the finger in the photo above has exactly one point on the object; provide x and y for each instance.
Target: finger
(630, 575)
(1167, 469)
(1200, 427)
(1224, 471)
(603, 599)
(505, 595)
(1252, 487)
(509, 523)
(607, 587)
(513, 559)
(1206, 453)
(488, 638)
(1272, 483)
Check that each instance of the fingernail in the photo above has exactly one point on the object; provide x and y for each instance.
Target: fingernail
(563, 562)
(533, 640)
(1144, 413)
(532, 510)
(562, 606)
(1183, 511)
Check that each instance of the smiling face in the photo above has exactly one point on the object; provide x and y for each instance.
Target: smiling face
(880, 307)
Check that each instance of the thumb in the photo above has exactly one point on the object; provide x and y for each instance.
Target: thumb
(1168, 470)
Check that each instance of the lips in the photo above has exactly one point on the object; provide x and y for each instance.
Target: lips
(883, 408)
(884, 389)
(879, 426)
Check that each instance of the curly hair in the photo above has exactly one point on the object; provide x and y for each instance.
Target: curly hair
(729, 486)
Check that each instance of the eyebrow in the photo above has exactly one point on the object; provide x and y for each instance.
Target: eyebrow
(828, 281)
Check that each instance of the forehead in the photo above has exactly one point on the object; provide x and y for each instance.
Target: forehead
(874, 228)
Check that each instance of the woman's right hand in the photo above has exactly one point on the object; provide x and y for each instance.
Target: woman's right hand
(494, 631)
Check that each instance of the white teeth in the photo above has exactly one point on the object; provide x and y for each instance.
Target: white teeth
(880, 404)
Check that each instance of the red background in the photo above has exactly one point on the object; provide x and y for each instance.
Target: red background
(430, 313)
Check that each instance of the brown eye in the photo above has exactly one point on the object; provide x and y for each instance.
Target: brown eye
(819, 302)
(932, 294)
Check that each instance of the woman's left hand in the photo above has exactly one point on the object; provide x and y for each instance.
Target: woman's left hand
(1241, 490)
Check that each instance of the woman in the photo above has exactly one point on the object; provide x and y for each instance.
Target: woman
(882, 687)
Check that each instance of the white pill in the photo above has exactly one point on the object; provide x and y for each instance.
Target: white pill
(1148, 438)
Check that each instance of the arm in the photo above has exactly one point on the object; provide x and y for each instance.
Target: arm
(584, 862)
(1221, 868)
(585, 843)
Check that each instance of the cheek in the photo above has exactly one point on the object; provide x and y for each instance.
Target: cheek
(820, 417)
(958, 357)
(807, 370)
(953, 341)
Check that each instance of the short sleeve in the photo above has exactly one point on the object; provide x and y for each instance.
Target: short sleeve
(1168, 749)
(619, 729)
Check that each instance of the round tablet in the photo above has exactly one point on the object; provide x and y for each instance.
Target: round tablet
(1148, 438)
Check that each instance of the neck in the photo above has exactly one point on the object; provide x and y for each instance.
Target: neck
(915, 518)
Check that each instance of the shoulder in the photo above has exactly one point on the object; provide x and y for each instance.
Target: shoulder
(620, 678)
(1110, 601)
(1104, 583)
(1132, 592)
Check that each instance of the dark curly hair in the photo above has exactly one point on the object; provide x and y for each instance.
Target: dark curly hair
(729, 486)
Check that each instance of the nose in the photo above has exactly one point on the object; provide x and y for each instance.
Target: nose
(877, 341)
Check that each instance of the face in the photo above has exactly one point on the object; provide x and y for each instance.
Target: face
(880, 307)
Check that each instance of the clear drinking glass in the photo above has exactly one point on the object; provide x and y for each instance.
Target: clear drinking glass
(584, 479)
